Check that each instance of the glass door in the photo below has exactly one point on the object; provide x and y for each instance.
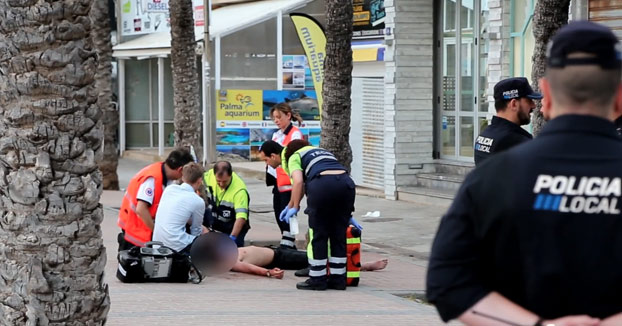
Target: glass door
(462, 99)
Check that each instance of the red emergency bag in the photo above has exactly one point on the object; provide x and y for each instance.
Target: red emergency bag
(353, 247)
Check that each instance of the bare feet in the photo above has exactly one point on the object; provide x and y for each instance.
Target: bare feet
(276, 273)
(375, 266)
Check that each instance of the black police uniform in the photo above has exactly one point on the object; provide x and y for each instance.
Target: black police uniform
(540, 224)
(501, 135)
(330, 203)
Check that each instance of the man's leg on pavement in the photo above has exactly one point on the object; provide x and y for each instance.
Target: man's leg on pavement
(289, 259)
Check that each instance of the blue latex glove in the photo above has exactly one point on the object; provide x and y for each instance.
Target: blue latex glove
(233, 237)
(287, 213)
(355, 223)
(283, 213)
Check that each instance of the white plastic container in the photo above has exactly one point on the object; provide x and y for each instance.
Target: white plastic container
(293, 225)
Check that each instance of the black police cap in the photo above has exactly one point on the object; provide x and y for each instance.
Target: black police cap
(516, 87)
(586, 37)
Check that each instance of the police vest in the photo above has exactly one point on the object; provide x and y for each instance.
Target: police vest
(223, 208)
(283, 181)
(315, 160)
(136, 232)
(353, 249)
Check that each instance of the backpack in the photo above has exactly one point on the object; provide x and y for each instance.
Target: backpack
(151, 264)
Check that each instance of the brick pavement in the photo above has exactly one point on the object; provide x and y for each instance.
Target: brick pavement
(236, 299)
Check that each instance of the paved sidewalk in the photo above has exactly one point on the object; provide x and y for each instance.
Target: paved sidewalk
(402, 233)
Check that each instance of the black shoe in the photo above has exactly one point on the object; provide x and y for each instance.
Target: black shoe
(312, 284)
(302, 272)
(337, 284)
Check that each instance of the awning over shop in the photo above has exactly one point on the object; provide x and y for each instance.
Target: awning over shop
(225, 20)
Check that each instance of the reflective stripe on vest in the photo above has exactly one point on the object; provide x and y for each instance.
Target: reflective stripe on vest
(308, 150)
(283, 181)
(134, 240)
(350, 274)
(317, 159)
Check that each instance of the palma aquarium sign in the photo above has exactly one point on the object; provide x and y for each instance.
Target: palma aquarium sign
(239, 105)
(244, 121)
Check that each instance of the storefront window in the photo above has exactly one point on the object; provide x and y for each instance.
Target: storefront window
(463, 81)
(142, 110)
(248, 58)
(522, 41)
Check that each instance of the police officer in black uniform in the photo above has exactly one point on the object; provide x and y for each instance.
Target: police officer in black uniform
(514, 104)
(534, 235)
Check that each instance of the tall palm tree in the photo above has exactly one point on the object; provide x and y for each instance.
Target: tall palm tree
(337, 86)
(549, 16)
(185, 76)
(51, 248)
(103, 85)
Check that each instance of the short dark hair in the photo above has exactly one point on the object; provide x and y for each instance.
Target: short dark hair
(178, 158)
(271, 147)
(501, 105)
(294, 146)
(223, 168)
(584, 85)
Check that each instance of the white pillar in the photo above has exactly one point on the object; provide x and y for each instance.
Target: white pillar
(217, 63)
(279, 51)
(121, 78)
(160, 107)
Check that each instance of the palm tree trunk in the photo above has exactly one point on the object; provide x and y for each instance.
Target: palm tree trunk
(185, 76)
(51, 249)
(549, 16)
(337, 81)
(103, 87)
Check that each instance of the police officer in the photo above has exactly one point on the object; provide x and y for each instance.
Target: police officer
(227, 202)
(514, 104)
(330, 202)
(533, 235)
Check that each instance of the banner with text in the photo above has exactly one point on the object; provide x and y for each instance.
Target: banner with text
(368, 19)
(313, 39)
(151, 16)
(244, 121)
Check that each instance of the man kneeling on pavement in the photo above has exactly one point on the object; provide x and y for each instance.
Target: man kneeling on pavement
(227, 202)
(181, 209)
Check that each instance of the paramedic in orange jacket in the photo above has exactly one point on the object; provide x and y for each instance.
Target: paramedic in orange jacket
(283, 117)
(142, 197)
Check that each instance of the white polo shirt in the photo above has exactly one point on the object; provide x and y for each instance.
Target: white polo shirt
(179, 206)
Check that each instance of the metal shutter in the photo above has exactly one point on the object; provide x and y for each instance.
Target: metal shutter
(373, 133)
(607, 12)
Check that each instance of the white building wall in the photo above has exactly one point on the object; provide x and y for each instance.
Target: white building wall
(499, 50)
(409, 90)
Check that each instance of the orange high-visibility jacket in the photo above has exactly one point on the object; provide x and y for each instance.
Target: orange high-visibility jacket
(283, 181)
(136, 231)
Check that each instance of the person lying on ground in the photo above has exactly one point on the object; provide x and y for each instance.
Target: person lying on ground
(271, 262)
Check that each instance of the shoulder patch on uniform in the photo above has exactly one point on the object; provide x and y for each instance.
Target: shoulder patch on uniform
(149, 192)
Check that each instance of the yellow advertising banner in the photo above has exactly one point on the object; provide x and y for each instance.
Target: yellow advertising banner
(313, 40)
(239, 104)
